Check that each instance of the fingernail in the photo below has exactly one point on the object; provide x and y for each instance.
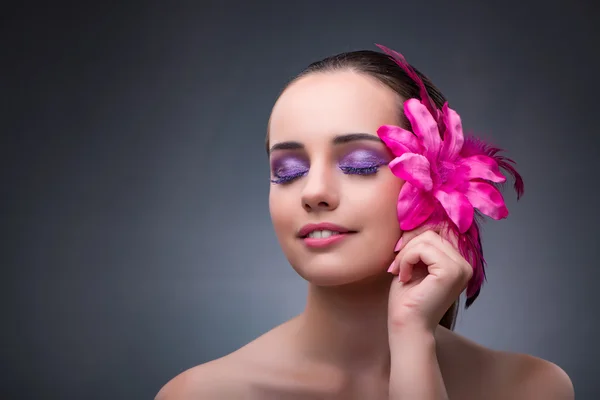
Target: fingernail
(391, 268)
(398, 245)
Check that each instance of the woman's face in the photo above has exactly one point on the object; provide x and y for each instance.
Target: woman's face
(329, 167)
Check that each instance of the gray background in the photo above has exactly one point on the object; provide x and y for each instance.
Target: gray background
(136, 238)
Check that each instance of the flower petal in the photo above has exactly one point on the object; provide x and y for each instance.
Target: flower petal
(414, 207)
(487, 199)
(413, 168)
(483, 167)
(399, 140)
(458, 208)
(453, 136)
(424, 126)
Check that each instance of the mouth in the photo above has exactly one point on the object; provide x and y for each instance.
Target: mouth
(323, 231)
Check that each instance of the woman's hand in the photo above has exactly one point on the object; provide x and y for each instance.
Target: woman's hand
(432, 275)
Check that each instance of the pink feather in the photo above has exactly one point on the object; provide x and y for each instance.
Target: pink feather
(409, 70)
(469, 242)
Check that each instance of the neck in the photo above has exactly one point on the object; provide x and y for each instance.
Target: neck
(347, 325)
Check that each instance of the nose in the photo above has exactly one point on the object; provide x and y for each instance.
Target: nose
(320, 192)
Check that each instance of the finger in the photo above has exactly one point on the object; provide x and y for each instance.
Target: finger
(444, 244)
(449, 246)
(437, 263)
(412, 272)
(431, 235)
(421, 251)
(407, 236)
(410, 238)
(437, 235)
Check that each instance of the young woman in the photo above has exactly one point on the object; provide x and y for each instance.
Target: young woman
(372, 199)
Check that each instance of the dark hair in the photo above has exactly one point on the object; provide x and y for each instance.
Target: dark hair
(381, 67)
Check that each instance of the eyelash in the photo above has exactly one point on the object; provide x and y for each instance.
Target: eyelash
(360, 171)
(288, 178)
(346, 170)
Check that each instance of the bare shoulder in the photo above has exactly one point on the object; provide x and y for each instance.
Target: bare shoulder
(216, 379)
(246, 373)
(480, 372)
(527, 377)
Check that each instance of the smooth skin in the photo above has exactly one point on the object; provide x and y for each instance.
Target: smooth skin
(365, 333)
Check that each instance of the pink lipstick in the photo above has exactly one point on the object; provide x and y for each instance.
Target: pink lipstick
(323, 234)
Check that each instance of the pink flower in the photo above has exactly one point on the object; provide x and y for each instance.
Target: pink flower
(440, 176)
(450, 179)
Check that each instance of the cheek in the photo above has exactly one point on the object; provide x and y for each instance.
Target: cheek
(379, 200)
(281, 204)
(385, 213)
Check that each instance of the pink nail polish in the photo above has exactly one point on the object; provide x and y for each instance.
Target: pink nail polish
(398, 245)
(390, 269)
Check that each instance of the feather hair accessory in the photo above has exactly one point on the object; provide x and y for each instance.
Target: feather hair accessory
(451, 181)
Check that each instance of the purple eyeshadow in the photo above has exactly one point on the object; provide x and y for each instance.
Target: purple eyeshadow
(363, 159)
(289, 166)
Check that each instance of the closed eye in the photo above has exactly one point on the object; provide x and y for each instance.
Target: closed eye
(369, 170)
(278, 180)
(360, 170)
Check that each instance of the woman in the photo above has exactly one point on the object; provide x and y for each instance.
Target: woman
(352, 203)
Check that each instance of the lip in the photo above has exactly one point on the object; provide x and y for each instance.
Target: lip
(306, 229)
(325, 242)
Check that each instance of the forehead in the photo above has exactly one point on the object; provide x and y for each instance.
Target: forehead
(331, 103)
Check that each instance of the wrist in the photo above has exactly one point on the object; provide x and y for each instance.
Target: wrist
(410, 329)
(414, 336)
(414, 369)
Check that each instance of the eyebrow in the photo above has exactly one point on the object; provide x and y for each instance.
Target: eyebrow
(339, 139)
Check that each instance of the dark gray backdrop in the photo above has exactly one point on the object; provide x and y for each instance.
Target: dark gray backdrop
(136, 235)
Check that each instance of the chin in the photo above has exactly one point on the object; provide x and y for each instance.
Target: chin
(346, 263)
(331, 273)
